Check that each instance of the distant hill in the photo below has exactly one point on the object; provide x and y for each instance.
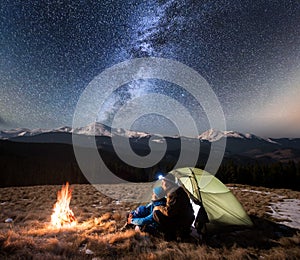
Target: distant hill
(243, 147)
(32, 157)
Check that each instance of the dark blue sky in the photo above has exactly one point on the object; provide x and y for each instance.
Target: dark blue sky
(248, 51)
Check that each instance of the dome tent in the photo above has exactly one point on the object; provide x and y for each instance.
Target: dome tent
(220, 206)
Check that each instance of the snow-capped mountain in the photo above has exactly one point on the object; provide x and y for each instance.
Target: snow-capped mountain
(21, 132)
(99, 129)
(93, 129)
(213, 135)
(6, 134)
(238, 145)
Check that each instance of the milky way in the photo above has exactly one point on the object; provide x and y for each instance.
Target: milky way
(248, 51)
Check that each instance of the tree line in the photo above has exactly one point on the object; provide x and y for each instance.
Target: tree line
(272, 175)
(42, 164)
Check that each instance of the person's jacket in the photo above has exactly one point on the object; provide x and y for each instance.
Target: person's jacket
(178, 205)
(148, 219)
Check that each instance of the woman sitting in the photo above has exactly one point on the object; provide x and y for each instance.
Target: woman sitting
(142, 217)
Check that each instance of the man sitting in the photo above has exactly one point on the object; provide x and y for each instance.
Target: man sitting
(177, 216)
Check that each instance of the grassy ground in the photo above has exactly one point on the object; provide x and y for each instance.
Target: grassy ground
(100, 217)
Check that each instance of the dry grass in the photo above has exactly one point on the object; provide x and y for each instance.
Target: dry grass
(97, 234)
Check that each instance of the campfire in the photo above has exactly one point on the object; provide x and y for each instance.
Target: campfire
(62, 215)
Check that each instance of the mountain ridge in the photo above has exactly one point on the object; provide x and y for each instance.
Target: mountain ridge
(239, 146)
(99, 129)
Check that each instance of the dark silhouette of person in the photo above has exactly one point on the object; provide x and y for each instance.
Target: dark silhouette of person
(174, 219)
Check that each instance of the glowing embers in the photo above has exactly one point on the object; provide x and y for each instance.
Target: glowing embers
(62, 215)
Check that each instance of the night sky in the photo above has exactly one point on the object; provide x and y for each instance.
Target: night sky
(248, 51)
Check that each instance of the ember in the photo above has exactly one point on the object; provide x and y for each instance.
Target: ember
(62, 215)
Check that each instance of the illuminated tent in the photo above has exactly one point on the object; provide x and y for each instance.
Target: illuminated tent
(219, 204)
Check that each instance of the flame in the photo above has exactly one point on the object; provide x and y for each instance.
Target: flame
(62, 215)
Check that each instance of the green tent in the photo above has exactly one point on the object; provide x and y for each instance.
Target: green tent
(220, 204)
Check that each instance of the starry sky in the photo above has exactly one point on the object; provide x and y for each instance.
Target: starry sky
(248, 51)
